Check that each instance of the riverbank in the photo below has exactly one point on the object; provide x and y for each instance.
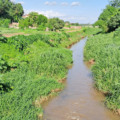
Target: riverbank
(104, 50)
(72, 103)
(31, 71)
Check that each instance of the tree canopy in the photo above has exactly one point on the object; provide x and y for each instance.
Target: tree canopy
(33, 20)
(10, 10)
(115, 3)
(55, 24)
(109, 19)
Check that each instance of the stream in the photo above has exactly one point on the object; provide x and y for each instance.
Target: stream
(79, 100)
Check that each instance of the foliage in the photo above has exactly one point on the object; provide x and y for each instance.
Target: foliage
(90, 31)
(3, 65)
(34, 20)
(23, 87)
(41, 27)
(116, 37)
(75, 24)
(11, 56)
(24, 23)
(104, 49)
(102, 24)
(42, 20)
(5, 23)
(21, 42)
(55, 24)
(114, 22)
(107, 13)
(3, 39)
(105, 16)
(10, 10)
(115, 3)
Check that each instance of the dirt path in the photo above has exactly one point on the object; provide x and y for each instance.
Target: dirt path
(14, 34)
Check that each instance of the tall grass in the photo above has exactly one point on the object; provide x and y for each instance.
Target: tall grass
(105, 50)
(42, 62)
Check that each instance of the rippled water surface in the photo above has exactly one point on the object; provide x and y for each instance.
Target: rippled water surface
(79, 100)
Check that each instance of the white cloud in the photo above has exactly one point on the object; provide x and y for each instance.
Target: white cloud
(50, 3)
(64, 3)
(21, 2)
(75, 3)
(48, 13)
(79, 19)
(71, 18)
(12, 0)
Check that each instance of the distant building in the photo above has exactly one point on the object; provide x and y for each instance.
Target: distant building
(76, 27)
(25, 16)
(14, 25)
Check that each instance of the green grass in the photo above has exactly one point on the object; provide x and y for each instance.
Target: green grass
(105, 50)
(34, 64)
(26, 31)
(28, 82)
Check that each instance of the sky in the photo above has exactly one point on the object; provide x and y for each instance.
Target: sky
(81, 11)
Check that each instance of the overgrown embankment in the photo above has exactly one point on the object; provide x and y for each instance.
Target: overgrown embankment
(104, 49)
(31, 67)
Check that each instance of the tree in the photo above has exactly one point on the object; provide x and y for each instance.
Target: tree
(42, 20)
(114, 22)
(115, 3)
(105, 16)
(24, 23)
(55, 24)
(102, 24)
(107, 13)
(10, 10)
(33, 18)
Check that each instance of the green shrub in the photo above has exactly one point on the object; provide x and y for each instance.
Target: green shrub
(5, 23)
(3, 65)
(21, 42)
(41, 27)
(31, 82)
(3, 39)
(10, 55)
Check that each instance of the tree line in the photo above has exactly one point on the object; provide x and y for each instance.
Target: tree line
(109, 19)
(41, 22)
(13, 12)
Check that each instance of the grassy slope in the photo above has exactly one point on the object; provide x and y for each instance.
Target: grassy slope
(106, 52)
(39, 68)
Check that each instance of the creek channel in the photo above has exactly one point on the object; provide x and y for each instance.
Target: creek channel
(79, 100)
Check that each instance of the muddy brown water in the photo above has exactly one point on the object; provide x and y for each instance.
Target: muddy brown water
(79, 100)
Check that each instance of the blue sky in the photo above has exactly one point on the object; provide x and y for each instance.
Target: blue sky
(81, 11)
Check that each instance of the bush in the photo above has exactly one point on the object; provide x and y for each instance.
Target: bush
(114, 22)
(24, 23)
(41, 27)
(102, 24)
(55, 24)
(3, 39)
(5, 23)
(3, 65)
(21, 42)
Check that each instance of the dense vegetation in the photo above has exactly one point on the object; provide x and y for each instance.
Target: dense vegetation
(10, 10)
(109, 19)
(41, 22)
(31, 67)
(104, 50)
